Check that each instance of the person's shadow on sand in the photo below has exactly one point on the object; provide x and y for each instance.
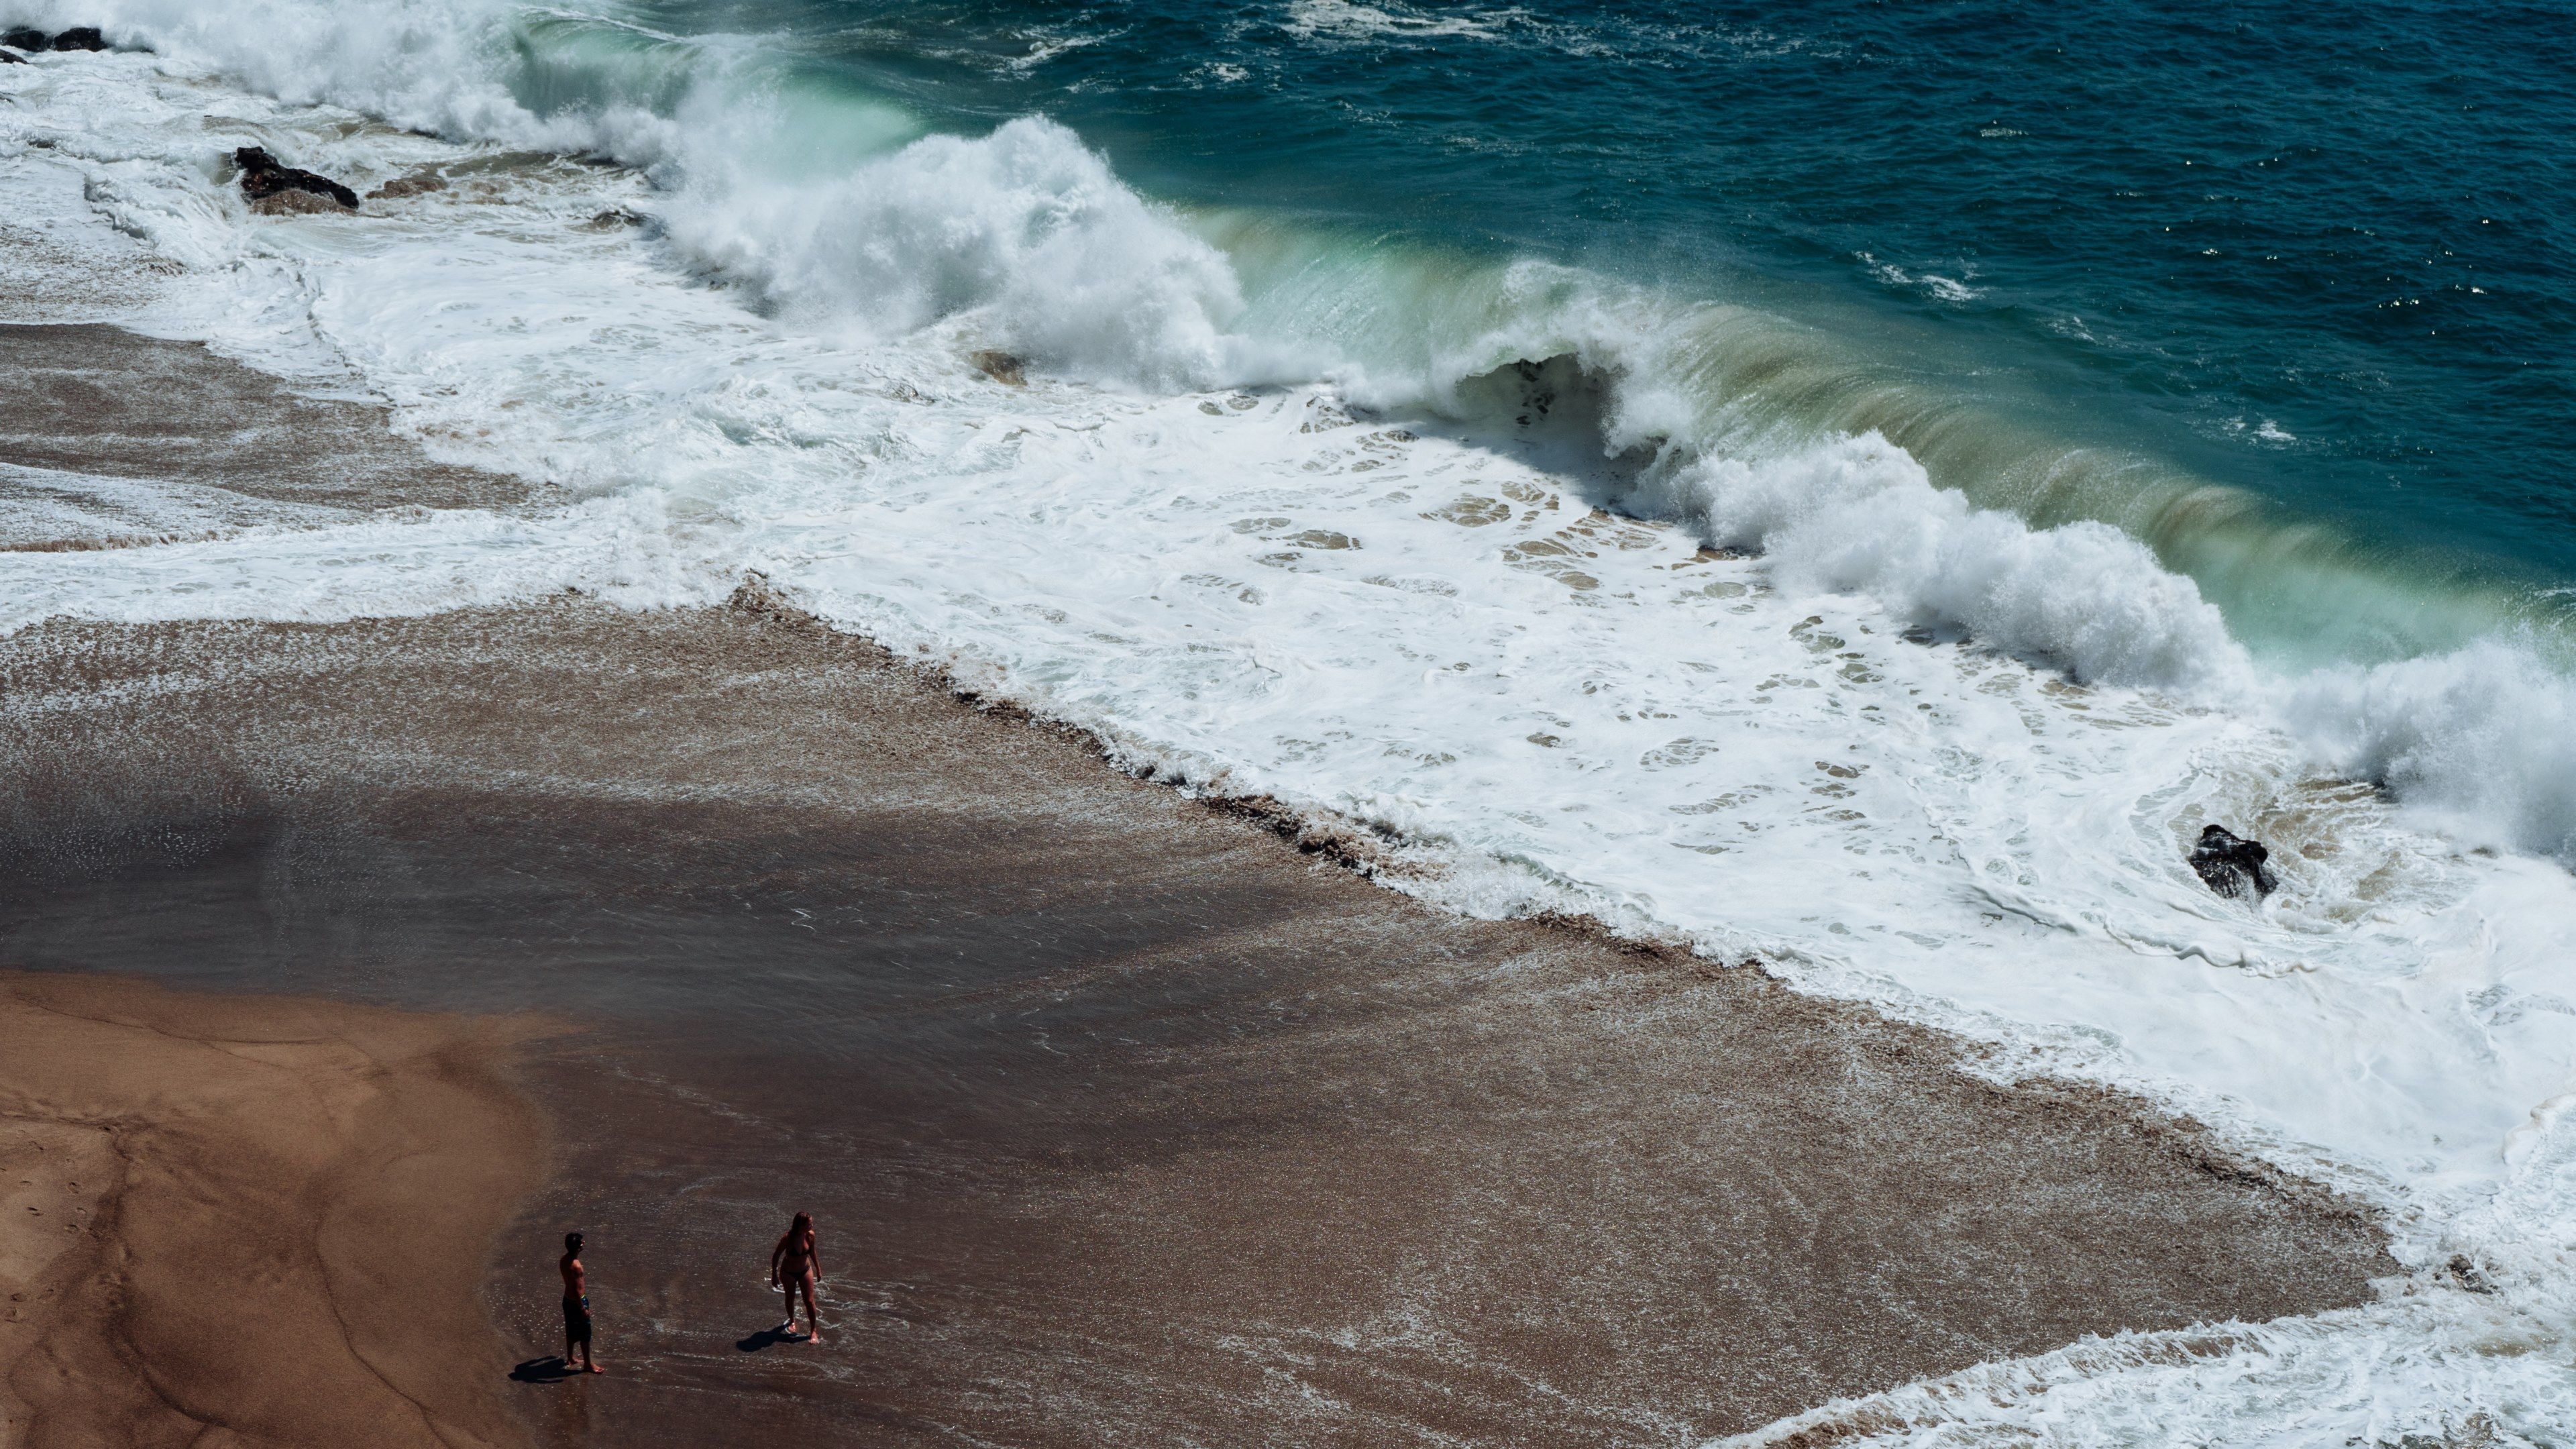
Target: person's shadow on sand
(766, 1338)
(548, 1370)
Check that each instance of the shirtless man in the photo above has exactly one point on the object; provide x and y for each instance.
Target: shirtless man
(576, 1305)
(793, 1265)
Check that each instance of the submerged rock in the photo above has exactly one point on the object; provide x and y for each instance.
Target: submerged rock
(296, 203)
(419, 183)
(11, 57)
(2232, 865)
(276, 190)
(1001, 367)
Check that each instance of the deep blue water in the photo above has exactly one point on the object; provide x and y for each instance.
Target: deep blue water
(2321, 252)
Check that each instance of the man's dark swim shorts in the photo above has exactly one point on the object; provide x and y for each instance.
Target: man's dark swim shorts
(576, 1319)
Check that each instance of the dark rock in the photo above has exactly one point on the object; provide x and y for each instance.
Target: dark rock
(296, 203)
(265, 181)
(1001, 367)
(2232, 865)
(24, 39)
(11, 57)
(417, 184)
(85, 37)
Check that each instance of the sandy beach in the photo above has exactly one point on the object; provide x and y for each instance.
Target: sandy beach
(250, 1221)
(1124, 1116)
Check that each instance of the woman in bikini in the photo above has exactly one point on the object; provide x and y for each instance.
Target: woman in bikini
(793, 1265)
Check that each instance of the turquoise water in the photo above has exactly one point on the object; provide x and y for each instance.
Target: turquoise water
(2277, 297)
(2314, 257)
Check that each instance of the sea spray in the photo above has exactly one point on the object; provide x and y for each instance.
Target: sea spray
(2481, 741)
(1022, 240)
(1859, 516)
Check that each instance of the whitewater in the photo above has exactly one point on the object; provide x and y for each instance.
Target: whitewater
(1485, 565)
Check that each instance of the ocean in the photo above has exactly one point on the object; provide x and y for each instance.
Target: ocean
(1860, 487)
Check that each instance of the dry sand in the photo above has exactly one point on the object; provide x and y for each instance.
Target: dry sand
(249, 1221)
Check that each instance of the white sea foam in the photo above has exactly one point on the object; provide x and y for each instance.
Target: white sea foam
(42, 508)
(2481, 742)
(1348, 20)
(428, 63)
(1930, 284)
(402, 565)
(1021, 239)
(1859, 516)
(1431, 628)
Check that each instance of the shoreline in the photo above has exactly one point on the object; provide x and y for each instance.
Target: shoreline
(1128, 1112)
(258, 1219)
(1356, 848)
(1086, 1075)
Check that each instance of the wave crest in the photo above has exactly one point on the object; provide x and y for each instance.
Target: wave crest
(1023, 238)
(1858, 515)
(2482, 739)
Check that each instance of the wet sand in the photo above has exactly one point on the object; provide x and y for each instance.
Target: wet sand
(249, 1221)
(1124, 1119)
(115, 439)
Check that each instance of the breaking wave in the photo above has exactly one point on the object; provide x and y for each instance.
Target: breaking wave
(841, 214)
(1749, 428)
(1021, 239)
